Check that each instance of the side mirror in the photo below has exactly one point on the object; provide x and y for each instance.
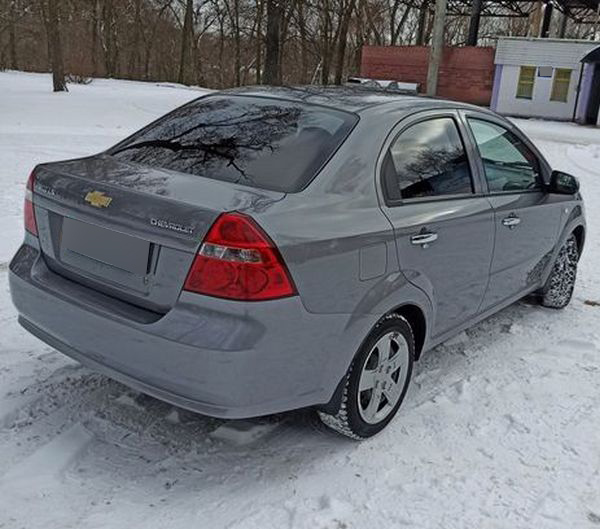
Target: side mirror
(563, 183)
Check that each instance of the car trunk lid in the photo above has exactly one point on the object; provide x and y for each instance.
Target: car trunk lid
(129, 230)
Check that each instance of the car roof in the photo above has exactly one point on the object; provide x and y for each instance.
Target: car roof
(348, 98)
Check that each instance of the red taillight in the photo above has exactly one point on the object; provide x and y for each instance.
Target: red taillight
(238, 260)
(29, 213)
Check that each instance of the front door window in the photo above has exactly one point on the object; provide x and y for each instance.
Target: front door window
(510, 166)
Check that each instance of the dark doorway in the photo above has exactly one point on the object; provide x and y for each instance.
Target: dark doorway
(591, 114)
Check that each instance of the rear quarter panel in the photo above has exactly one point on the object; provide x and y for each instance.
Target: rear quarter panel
(334, 237)
(338, 244)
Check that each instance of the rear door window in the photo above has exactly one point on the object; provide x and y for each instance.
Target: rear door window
(260, 142)
(427, 159)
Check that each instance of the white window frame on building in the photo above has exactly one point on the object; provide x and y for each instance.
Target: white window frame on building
(559, 93)
(526, 82)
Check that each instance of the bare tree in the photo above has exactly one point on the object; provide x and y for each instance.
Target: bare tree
(134, 53)
(222, 43)
(397, 26)
(301, 17)
(95, 22)
(233, 12)
(258, 24)
(55, 47)
(272, 58)
(187, 37)
(347, 9)
(12, 38)
(109, 35)
(422, 24)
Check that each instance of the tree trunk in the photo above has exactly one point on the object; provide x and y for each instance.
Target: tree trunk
(186, 42)
(221, 52)
(109, 38)
(422, 25)
(474, 22)
(429, 27)
(535, 20)
(55, 47)
(303, 43)
(360, 35)
(134, 57)
(94, 50)
(563, 23)
(393, 15)
(373, 27)
(232, 8)
(238, 44)
(197, 61)
(547, 19)
(12, 39)
(259, 40)
(397, 30)
(326, 39)
(346, 14)
(284, 24)
(272, 66)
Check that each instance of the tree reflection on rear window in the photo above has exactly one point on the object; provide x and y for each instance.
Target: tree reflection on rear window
(260, 142)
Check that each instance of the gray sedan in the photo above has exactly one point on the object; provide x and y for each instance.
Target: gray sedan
(261, 250)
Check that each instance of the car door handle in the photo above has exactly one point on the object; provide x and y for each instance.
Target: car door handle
(424, 239)
(511, 222)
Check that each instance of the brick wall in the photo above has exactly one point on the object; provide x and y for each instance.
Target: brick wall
(466, 73)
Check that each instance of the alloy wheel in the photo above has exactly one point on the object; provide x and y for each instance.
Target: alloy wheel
(383, 377)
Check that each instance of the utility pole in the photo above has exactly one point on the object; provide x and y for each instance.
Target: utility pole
(437, 47)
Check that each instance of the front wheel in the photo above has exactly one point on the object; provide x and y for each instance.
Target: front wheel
(377, 380)
(558, 290)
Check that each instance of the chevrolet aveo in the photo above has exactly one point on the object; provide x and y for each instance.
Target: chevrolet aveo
(262, 250)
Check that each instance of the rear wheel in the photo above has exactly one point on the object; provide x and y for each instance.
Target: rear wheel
(558, 290)
(377, 380)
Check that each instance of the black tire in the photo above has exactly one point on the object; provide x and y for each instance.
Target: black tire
(349, 419)
(558, 290)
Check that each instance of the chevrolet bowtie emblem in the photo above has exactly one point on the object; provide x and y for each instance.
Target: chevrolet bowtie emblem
(98, 199)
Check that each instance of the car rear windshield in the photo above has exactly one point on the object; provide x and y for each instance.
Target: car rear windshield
(261, 142)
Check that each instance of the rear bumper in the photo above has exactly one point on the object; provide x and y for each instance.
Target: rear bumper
(219, 358)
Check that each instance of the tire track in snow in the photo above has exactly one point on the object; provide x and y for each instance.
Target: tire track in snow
(32, 490)
(11, 408)
(21, 400)
(47, 463)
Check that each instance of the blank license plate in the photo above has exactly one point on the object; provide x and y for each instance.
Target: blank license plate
(107, 246)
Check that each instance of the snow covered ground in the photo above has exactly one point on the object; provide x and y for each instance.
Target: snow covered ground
(500, 429)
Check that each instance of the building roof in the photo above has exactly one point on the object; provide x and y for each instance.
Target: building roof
(559, 53)
(551, 39)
